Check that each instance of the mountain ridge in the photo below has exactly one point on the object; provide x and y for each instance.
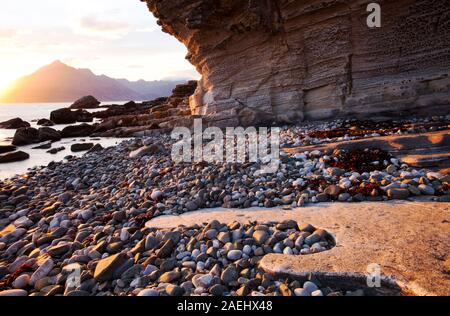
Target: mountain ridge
(59, 82)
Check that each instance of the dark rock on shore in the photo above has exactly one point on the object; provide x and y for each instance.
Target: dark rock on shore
(13, 157)
(14, 123)
(130, 108)
(54, 151)
(82, 130)
(130, 105)
(146, 118)
(45, 122)
(67, 116)
(63, 116)
(26, 136)
(97, 147)
(81, 147)
(7, 148)
(83, 116)
(87, 102)
(31, 135)
(44, 146)
(47, 133)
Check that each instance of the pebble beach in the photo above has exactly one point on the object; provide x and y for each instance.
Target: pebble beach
(88, 214)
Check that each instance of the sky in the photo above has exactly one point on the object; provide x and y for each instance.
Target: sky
(117, 38)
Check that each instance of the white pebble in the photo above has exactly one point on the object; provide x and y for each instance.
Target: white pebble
(317, 293)
(310, 287)
(300, 292)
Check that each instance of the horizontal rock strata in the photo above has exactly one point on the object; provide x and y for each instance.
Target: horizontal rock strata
(288, 60)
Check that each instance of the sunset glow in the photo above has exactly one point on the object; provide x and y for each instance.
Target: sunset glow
(117, 38)
(304, 154)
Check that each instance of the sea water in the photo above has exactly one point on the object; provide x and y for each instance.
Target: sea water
(31, 112)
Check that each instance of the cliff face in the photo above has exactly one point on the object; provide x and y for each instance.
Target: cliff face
(290, 60)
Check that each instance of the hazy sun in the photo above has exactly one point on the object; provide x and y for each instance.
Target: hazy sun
(5, 84)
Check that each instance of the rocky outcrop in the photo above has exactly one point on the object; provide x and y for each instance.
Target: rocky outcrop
(287, 60)
(145, 118)
(87, 102)
(130, 108)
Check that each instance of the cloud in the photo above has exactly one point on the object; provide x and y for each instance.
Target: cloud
(93, 26)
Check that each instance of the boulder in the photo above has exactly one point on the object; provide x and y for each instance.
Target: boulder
(47, 145)
(48, 133)
(13, 157)
(82, 130)
(67, 116)
(7, 148)
(14, 123)
(54, 151)
(63, 116)
(26, 136)
(87, 102)
(45, 122)
(83, 116)
(96, 148)
(81, 147)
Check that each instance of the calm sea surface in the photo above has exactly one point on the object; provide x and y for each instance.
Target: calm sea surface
(31, 112)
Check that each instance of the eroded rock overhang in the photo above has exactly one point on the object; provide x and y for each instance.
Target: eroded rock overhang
(288, 60)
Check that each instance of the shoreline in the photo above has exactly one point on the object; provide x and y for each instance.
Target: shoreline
(40, 158)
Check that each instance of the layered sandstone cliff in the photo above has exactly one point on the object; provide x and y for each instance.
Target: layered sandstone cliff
(290, 60)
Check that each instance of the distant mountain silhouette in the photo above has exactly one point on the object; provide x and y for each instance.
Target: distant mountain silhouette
(59, 82)
(151, 89)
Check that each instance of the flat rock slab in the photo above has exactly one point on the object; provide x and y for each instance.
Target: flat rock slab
(409, 240)
(424, 150)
